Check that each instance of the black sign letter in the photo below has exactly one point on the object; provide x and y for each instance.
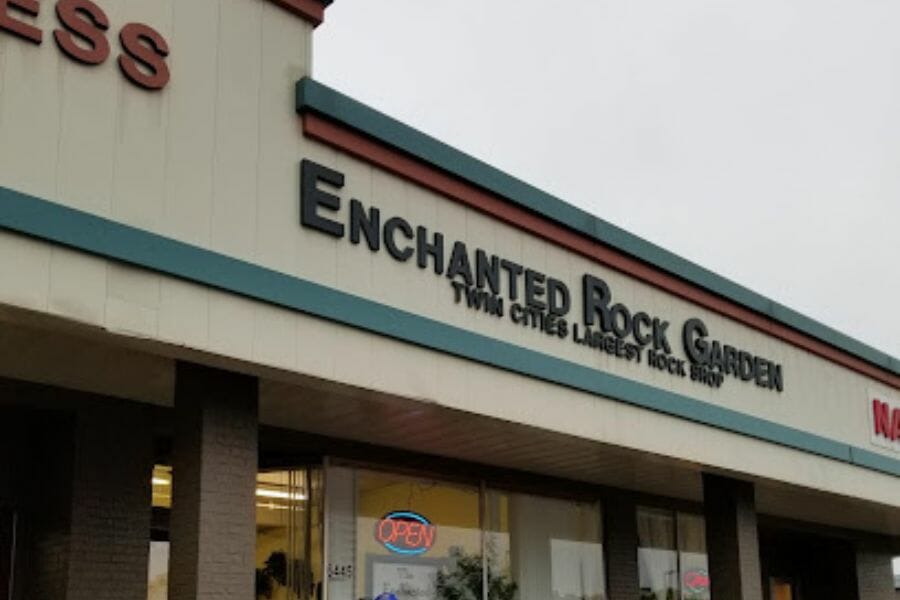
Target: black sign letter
(311, 197)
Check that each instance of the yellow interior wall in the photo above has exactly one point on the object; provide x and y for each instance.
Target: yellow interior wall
(443, 504)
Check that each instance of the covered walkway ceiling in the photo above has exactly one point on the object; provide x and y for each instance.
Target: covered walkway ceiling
(44, 350)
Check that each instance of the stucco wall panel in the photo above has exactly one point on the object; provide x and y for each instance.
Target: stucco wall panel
(237, 140)
(25, 272)
(30, 114)
(231, 325)
(132, 303)
(184, 318)
(77, 286)
(190, 143)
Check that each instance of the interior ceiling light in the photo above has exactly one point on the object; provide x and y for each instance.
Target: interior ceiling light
(262, 492)
(279, 494)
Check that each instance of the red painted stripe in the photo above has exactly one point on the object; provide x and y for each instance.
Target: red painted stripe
(309, 10)
(456, 189)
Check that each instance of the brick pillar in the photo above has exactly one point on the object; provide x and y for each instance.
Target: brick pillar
(731, 539)
(874, 573)
(213, 519)
(109, 537)
(47, 518)
(620, 517)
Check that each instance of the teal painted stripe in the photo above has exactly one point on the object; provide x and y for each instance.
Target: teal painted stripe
(873, 460)
(316, 97)
(85, 232)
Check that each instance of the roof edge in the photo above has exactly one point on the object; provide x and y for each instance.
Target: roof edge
(311, 11)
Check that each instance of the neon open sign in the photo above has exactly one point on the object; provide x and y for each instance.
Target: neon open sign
(405, 532)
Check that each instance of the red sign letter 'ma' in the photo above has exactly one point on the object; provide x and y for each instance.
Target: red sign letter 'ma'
(881, 412)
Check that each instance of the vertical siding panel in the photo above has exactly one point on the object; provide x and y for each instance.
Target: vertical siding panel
(29, 109)
(190, 145)
(231, 324)
(184, 313)
(24, 271)
(284, 60)
(89, 97)
(274, 336)
(142, 121)
(77, 286)
(237, 128)
(190, 152)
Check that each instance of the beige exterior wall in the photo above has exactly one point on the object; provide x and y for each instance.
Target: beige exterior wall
(212, 160)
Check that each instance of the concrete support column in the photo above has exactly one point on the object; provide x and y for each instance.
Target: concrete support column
(213, 519)
(732, 542)
(874, 573)
(109, 539)
(620, 517)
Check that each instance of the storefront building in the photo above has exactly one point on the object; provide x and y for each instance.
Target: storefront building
(258, 340)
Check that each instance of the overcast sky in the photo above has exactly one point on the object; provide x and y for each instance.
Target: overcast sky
(759, 139)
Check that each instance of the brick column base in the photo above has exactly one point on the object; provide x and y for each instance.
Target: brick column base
(87, 520)
(731, 539)
(620, 515)
(875, 574)
(213, 519)
(110, 527)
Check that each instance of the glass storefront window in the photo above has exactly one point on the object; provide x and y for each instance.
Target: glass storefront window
(393, 537)
(390, 536)
(542, 548)
(693, 566)
(158, 568)
(289, 534)
(896, 563)
(657, 558)
(672, 560)
(158, 571)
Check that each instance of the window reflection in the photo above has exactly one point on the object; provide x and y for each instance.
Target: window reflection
(672, 560)
(539, 548)
(693, 566)
(657, 558)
